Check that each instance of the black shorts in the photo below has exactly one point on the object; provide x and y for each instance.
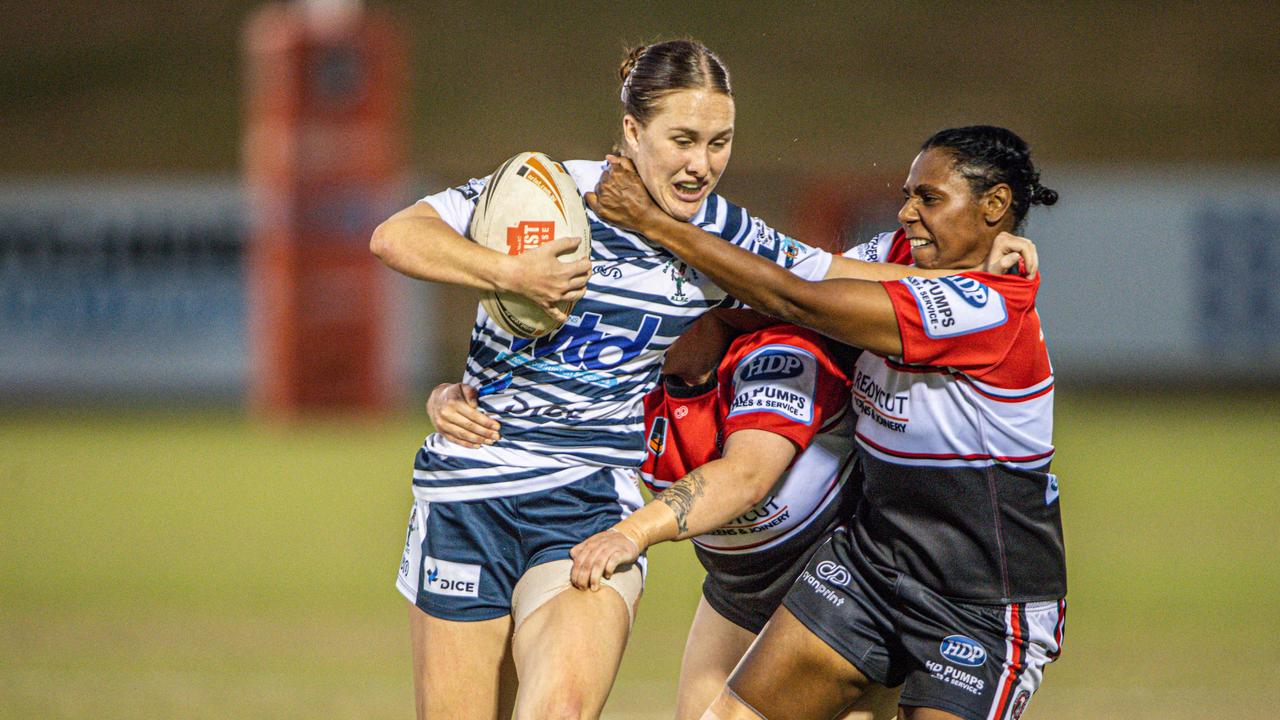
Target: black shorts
(978, 661)
(746, 589)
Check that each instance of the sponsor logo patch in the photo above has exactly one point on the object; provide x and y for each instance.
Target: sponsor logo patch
(955, 677)
(529, 234)
(444, 577)
(963, 650)
(818, 587)
(658, 435)
(867, 252)
(833, 572)
(612, 272)
(580, 351)
(953, 306)
(778, 379)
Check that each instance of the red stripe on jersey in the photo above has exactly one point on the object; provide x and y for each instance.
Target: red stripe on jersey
(1016, 661)
(935, 370)
(1058, 629)
(953, 456)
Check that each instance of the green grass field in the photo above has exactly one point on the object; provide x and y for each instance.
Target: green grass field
(195, 564)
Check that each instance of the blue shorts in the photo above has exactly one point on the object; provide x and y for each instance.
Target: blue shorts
(462, 559)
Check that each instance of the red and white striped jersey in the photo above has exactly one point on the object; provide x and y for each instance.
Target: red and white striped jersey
(957, 439)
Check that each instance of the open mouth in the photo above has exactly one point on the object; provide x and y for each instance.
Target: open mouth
(917, 242)
(690, 190)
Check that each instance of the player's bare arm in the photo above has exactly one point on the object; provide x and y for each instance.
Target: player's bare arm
(856, 311)
(701, 501)
(455, 413)
(418, 243)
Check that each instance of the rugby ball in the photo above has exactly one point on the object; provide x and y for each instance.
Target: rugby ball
(529, 201)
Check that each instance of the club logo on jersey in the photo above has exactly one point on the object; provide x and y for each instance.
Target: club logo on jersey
(1019, 705)
(471, 190)
(764, 235)
(962, 650)
(949, 307)
(833, 572)
(680, 274)
(681, 412)
(791, 250)
(443, 577)
(529, 234)
(776, 378)
(658, 435)
(406, 560)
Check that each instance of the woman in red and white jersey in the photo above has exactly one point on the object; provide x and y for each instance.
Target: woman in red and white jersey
(949, 579)
(753, 461)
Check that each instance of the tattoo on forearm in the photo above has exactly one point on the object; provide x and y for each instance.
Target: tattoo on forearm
(680, 496)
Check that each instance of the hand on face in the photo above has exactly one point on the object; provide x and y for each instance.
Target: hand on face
(622, 199)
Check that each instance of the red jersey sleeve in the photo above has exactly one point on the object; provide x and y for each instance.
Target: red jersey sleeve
(968, 321)
(781, 379)
(681, 433)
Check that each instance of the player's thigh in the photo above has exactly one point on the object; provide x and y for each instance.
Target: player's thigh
(461, 669)
(714, 647)
(875, 702)
(567, 653)
(791, 673)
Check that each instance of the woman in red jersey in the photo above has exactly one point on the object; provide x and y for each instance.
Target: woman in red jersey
(949, 579)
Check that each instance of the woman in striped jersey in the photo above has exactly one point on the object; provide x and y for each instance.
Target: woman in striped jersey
(950, 577)
(486, 558)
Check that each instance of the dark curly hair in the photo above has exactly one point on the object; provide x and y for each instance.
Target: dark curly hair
(987, 156)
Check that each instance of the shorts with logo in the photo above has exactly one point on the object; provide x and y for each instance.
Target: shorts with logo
(462, 559)
(978, 661)
(745, 589)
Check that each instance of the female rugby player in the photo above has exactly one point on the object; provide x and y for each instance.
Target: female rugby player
(486, 558)
(950, 577)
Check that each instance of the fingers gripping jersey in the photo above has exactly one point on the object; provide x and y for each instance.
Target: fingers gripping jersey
(957, 440)
(571, 402)
(780, 379)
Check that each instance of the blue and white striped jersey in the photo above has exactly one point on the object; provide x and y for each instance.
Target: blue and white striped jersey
(572, 402)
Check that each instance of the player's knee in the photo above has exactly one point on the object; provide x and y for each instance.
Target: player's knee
(564, 705)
